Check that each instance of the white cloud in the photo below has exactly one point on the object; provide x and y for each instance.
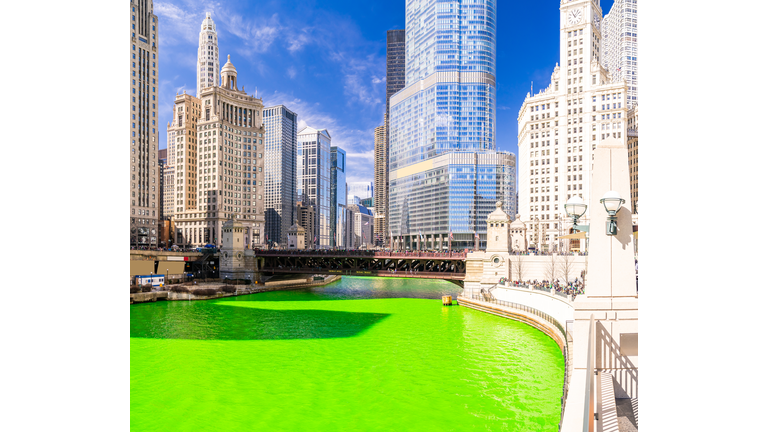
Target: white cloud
(177, 25)
(256, 34)
(297, 42)
(292, 72)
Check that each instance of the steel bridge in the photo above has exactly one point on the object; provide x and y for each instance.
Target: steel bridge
(449, 266)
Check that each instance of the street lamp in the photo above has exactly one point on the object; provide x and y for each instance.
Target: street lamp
(612, 202)
(575, 208)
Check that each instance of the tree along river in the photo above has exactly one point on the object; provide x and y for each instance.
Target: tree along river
(360, 354)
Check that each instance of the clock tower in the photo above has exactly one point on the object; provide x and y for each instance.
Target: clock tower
(579, 43)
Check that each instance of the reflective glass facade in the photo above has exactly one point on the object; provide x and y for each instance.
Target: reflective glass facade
(455, 193)
(444, 172)
(280, 138)
(338, 197)
(313, 168)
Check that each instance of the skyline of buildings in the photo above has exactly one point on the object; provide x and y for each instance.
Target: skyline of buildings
(448, 72)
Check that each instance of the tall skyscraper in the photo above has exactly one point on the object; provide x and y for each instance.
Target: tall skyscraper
(145, 174)
(338, 197)
(207, 55)
(381, 182)
(442, 126)
(395, 83)
(560, 126)
(280, 141)
(395, 63)
(313, 177)
(619, 45)
(225, 176)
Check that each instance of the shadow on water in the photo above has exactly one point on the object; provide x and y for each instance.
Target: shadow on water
(211, 322)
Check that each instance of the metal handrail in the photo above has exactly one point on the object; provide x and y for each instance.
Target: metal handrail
(524, 308)
(589, 408)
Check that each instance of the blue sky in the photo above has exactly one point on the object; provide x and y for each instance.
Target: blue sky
(327, 60)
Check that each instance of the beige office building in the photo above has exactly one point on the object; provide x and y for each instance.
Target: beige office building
(224, 167)
(182, 144)
(144, 83)
(381, 184)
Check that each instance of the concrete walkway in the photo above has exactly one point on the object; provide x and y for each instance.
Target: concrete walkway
(626, 412)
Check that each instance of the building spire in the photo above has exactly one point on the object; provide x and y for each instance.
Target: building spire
(207, 55)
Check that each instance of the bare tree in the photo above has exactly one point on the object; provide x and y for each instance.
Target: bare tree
(518, 265)
(550, 269)
(567, 267)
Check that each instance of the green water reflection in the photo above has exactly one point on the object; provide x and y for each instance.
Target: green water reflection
(355, 355)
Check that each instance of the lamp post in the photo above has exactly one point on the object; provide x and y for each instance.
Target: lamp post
(575, 208)
(612, 202)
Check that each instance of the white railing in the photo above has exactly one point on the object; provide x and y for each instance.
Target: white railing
(589, 391)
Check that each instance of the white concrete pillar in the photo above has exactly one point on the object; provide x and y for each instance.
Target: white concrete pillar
(610, 292)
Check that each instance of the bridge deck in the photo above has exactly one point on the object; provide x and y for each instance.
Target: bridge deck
(426, 265)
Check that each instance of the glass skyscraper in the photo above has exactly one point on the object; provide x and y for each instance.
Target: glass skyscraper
(338, 197)
(280, 142)
(449, 99)
(442, 129)
(313, 176)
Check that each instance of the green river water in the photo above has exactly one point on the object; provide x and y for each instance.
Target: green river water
(360, 354)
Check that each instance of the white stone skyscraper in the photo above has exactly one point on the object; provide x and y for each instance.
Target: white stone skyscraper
(207, 55)
(619, 45)
(560, 126)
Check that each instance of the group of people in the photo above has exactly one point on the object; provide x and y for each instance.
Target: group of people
(575, 287)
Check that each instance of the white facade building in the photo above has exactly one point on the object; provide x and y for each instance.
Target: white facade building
(207, 56)
(619, 45)
(560, 126)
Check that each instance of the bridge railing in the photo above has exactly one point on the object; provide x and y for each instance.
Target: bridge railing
(363, 253)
